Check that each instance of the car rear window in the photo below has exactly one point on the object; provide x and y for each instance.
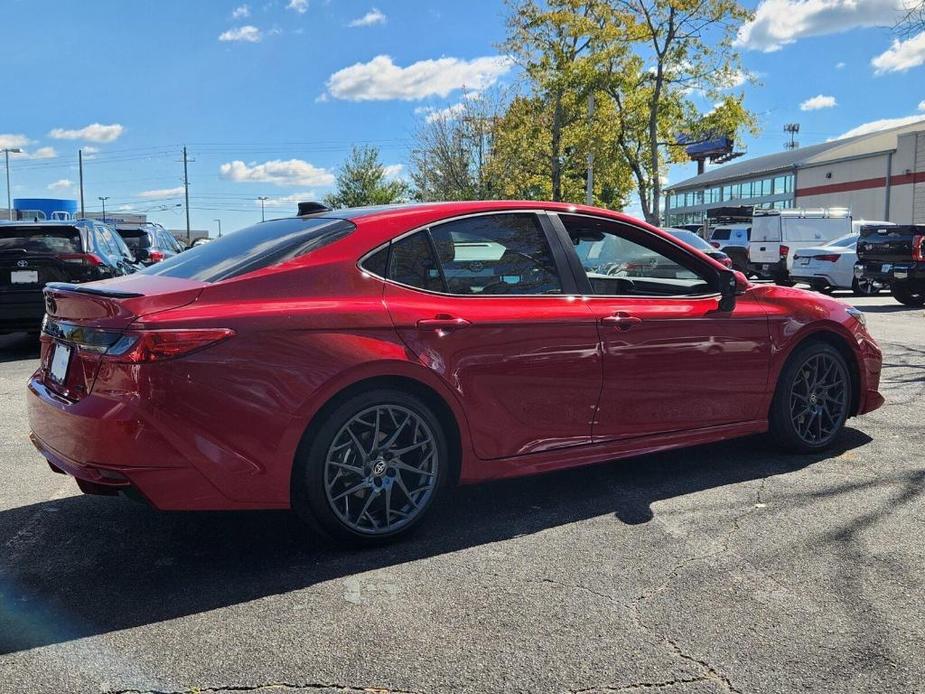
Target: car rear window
(135, 239)
(253, 248)
(40, 239)
(721, 234)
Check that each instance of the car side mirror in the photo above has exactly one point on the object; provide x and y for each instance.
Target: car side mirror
(728, 290)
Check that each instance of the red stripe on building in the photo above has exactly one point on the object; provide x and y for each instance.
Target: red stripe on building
(867, 183)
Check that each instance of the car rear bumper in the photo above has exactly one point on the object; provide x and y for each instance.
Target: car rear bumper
(111, 446)
(888, 272)
(21, 310)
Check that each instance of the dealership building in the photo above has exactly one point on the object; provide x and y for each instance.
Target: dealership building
(878, 176)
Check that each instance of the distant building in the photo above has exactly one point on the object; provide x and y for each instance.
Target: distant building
(41, 209)
(180, 234)
(118, 217)
(878, 176)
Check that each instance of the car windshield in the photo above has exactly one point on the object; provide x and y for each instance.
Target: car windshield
(40, 239)
(252, 248)
(849, 241)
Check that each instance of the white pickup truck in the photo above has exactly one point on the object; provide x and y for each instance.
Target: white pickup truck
(776, 234)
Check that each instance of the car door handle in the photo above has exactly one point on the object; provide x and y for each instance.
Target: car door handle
(443, 323)
(621, 321)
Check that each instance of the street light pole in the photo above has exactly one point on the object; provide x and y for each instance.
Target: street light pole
(263, 199)
(103, 200)
(9, 202)
(219, 227)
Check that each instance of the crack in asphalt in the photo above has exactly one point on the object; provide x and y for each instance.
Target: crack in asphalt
(642, 686)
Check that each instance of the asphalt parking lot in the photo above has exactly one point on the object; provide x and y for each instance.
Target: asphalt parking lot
(724, 568)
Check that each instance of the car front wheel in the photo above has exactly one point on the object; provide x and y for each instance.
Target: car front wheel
(373, 469)
(812, 399)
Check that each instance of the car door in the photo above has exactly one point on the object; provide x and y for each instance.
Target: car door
(672, 360)
(488, 303)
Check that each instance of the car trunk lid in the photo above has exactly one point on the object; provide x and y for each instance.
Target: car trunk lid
(84, 320)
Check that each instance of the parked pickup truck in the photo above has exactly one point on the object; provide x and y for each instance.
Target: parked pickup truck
(894, 255)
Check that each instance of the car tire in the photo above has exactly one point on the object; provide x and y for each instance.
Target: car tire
(865, 287)
(906, 295)
(812, 399)
(349, 450)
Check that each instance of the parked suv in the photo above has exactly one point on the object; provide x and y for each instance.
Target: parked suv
(150, 243)
(35, 253)
(776, 234)
(894, 255)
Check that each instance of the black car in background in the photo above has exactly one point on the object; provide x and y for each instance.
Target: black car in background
(35, 253)
(894, 255)
(692, 239)
(150, 243)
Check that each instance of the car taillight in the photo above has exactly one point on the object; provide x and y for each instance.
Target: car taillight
(727, 261)
(156, 256)
(918, 253)
(827, 258)
(715, 244)
(137, 346)
(784, 251)
(82, 258)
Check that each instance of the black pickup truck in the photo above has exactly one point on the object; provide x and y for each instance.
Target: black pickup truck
(894, 255)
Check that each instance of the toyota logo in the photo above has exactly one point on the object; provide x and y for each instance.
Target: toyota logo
(22, 263)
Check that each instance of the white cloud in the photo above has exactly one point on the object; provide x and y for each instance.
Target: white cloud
(381, 79)
(44, 153)
(921, 105)
(779, 22)
(882, 124)
(246, 33)
(61, 185)
(90, 152)
(293, 172)
(300, 6)
(393, 170)
(162, 193)
(241, 12)
(95, 132)
(289, 200)
(442, 114)
(374, 16)
(839, 66)
(817, 102)
(901, 55)
(11, 141)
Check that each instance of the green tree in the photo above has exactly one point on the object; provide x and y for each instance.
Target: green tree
(362, 181)
(646, 63)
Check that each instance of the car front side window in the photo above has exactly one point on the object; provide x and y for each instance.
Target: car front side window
(618, 261)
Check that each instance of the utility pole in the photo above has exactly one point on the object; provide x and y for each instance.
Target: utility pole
(263, 215)
(9, 202)
(103, 200)
(792, 129)
(219, 227)
(186, 195)
(589, 184)
(80, 169)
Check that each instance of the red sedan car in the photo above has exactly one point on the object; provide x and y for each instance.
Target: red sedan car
(351, 364)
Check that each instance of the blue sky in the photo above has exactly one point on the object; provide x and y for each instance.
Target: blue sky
(270, 95)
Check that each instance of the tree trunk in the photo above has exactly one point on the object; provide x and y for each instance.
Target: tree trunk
(556, 145)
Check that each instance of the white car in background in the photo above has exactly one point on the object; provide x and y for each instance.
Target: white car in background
(831, 266)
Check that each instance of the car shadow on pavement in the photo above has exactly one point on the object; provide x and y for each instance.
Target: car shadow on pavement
(84, 565)
(18, 346)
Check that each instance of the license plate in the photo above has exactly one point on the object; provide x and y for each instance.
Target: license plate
(901, 274)
(24, 277)
(60, 358)
(886, 267)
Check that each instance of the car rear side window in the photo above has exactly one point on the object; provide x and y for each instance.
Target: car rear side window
(412, 262)
(496, 254)
(253, 248)
(720, 234)
(40, 239)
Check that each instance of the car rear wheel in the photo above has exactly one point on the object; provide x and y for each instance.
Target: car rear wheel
(865, 287)
(812, 399)
(908, 295)
(374, 468)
